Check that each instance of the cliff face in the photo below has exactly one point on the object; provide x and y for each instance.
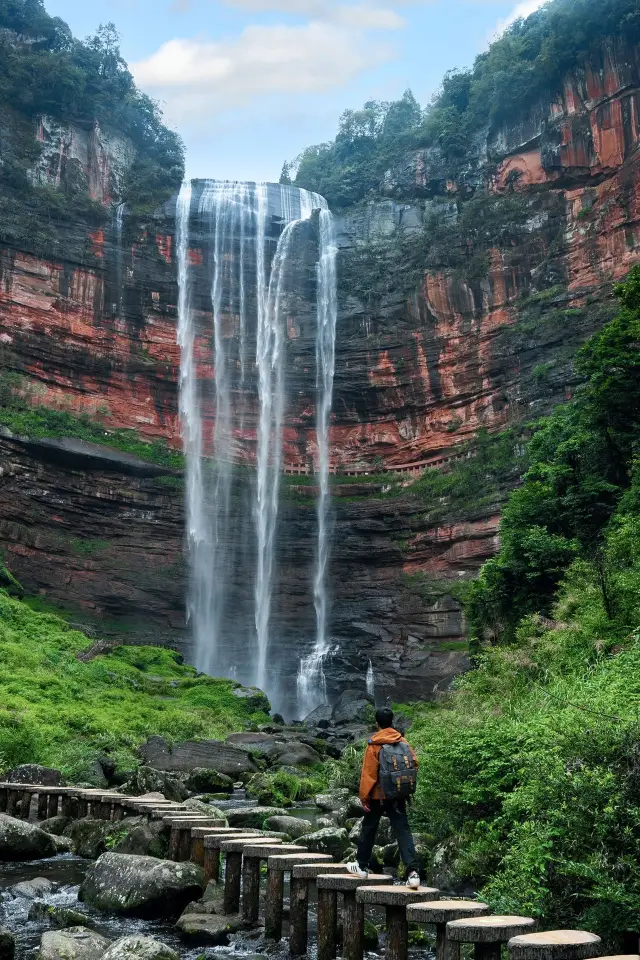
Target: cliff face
(428, 354)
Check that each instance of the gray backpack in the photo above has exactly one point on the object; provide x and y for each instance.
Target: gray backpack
(398, 773)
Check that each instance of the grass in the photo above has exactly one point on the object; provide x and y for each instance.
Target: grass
(59, 711)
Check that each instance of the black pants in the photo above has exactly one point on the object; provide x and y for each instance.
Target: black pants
(396, 810)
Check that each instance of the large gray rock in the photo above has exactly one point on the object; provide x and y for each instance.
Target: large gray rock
(148, 780)
(332, 801)
(331, 840)
(350, 706)
(213, 754)
(202, 780)
(34, 889)
(89, 836)
(208, 809)
(262, 744)
(140, 948)
(76, 943)
(33, 773)
(253, 816)
(58, 917)
(141, 886)
(7, 944)
(144, 839)
(23, 841)
(321, 714)
(210, 929)
(296, 755)
(294, 826)
(55, 825)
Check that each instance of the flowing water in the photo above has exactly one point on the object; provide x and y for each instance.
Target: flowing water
(252, 232)
(371, 680)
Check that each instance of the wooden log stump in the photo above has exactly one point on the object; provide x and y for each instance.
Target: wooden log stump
(395, 900)
(352, 927)
(252, 856)
(13, 798)
(304, 873)
(4, 795)
(327, 924)
(554, 945)
(232, 882)
(69, 805)
(198, 835)
(25, 804)
(43, 805)
(353, 918)
(83, 808)
(487, 934)
(440, 913)
(278, 865)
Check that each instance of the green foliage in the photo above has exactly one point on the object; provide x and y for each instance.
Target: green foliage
(60, 711)
(524, 66)
(581, 463)
(39, 423)
(282, 789)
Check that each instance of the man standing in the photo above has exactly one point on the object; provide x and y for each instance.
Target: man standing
(388, 779)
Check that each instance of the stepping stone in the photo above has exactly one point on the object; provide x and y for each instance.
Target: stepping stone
(395, 899)
(277, 866)
(212, 853)
(197, 840)
(234, 849)
(329, 885)
(487, 934)
(302, 877)
(252, 857)
(180, 839)
(440, 913)
(554, 945)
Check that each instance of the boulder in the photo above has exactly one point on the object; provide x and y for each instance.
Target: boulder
(321, 714)
(212, 929)
(23, 841)
(89, 837)
(75, 943)
(253, 816)
(351, 705)
(34, 889)
(33, 773)
(59, 917)
(323, 822)
(141, 886)
(294, 826)
(355, 810)
(7, 944)
(333, 800)
(140, 948)
(186, 756)
(296, 755)
(203, 780)
(199, 806)
(62, 844)
(144, 840)
(55, 825)
(147, 780)
(331, 840)
(254, 698)
(260, 744)
(384, 835)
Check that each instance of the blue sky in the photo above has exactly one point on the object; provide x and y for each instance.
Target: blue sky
(250, 83)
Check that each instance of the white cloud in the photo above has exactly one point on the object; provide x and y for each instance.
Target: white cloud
(199, 79)
(521, 11)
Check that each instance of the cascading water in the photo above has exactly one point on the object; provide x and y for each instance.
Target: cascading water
(312, 688)
(371, 680)
(118, 227)
(238, 222)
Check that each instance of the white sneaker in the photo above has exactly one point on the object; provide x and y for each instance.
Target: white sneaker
(357, 870)
(413, 880)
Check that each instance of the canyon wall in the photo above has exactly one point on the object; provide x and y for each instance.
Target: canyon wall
(427, 356)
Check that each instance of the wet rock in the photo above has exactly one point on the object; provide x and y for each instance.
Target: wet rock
(33, 773)
(34, 889)
(333, 800)
(331, 840)
(140, 948)
(59, 917)
(321, 714)
(23, 841)
(297, 755)
(323, 822)
(254, 698)
(76, 943)
(253, 816)
(62, 844)
(384, 835)
(7, 944)
(141, 886)
(192, 754)
(355, 810)
(391, 855)
(203, 780)
(209, 929)
(56, 825)
(294, 826)
(89, 837)
(278, 718)
(145, 840)
(351, 706)
(148, 780)
(260, 744)
(207, 808)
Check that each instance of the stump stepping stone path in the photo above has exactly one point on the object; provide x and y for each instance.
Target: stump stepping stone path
(440, 913)
(395, 900)
(252, 857)
(329, 885)
(233, 850)
(198, 835)
(277, 865)
(212, 852)
(180, 838)
(554, 945)
(303, 876)
(487, 934)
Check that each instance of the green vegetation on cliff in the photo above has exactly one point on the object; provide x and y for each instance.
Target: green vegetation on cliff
(61, 711)
(531, 772)
(45, 71)
(524, 66)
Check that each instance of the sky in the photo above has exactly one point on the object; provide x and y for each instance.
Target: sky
(250, 83)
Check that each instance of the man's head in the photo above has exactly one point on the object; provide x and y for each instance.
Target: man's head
(384, 718)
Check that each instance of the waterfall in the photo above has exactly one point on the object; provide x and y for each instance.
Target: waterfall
(312, 688)
(118, 226)
(371, 680)
(248, 281)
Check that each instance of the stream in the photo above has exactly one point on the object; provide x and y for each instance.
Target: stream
(66, 873)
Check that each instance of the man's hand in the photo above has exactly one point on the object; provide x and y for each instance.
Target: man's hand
(366, 807)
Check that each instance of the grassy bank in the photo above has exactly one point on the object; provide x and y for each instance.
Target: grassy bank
(60, 711)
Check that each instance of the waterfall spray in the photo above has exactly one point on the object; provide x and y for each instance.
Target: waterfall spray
(371, 680)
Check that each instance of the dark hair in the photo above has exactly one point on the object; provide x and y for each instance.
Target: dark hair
(384, 717)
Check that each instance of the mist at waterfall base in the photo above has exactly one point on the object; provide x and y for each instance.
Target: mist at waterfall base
(251, 257)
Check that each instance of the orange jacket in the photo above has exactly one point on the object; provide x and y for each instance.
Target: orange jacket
(369, 787)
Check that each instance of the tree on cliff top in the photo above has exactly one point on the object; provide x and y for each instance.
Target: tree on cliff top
(524, 66)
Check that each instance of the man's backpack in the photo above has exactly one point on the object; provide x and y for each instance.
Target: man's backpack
(398, 773)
